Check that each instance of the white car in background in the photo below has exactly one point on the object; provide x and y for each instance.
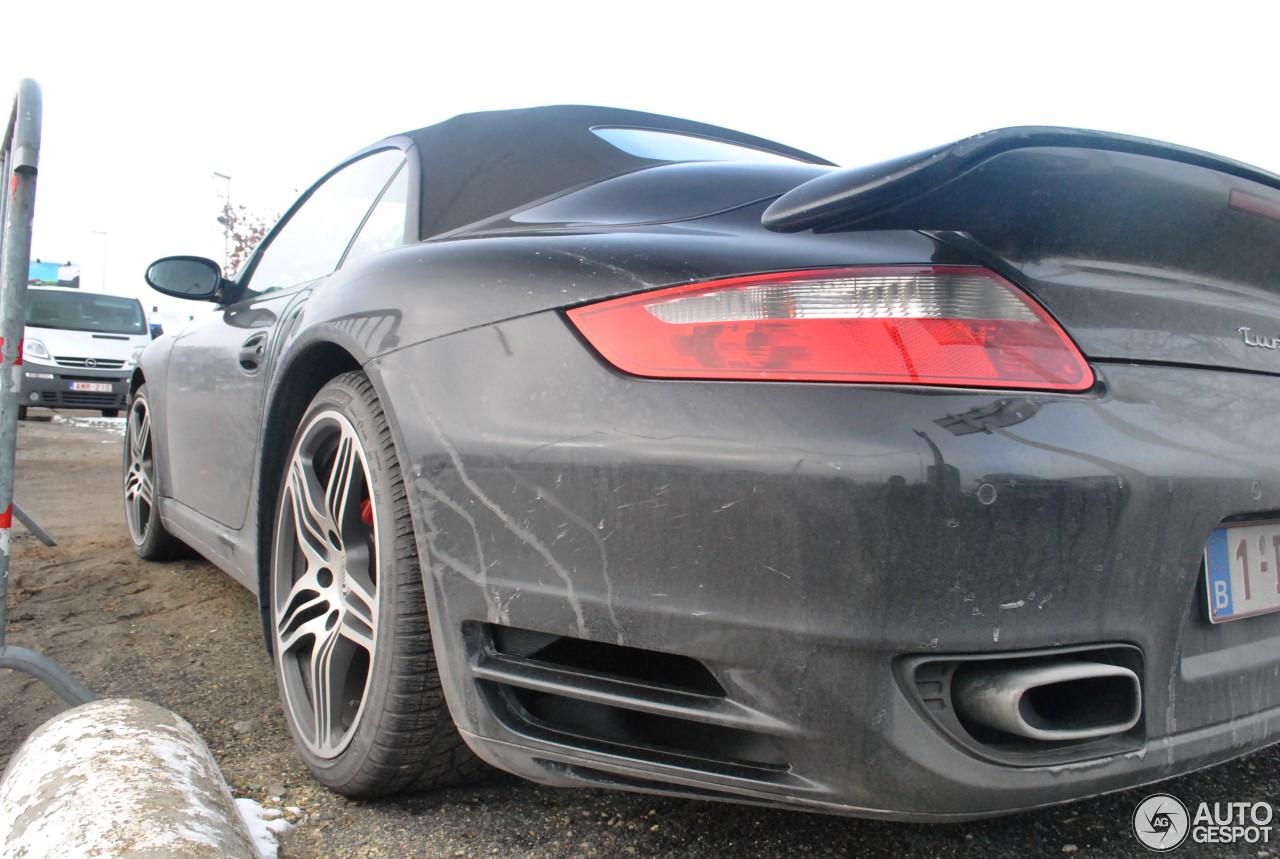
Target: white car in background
(79, 349)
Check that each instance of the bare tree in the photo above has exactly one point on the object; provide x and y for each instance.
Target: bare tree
(243, 230)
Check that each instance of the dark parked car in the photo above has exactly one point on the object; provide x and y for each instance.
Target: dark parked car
(659, 456)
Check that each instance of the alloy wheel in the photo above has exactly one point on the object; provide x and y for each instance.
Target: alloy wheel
(325, 584)
(139, 479)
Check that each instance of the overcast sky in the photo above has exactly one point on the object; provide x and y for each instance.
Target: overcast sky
(144, 102)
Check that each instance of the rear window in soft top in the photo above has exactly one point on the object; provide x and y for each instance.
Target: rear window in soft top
(673, 146)
(671, 192)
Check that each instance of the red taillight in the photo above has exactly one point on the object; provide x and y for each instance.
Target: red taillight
(931, 325)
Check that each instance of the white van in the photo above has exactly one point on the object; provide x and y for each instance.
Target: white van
(79, 349)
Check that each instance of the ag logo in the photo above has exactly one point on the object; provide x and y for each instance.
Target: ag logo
(1161, 823)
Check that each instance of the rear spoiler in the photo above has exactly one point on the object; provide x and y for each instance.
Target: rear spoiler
(865, 197)
(1037, 194)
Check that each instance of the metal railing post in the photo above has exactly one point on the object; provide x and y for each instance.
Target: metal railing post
(21, 155)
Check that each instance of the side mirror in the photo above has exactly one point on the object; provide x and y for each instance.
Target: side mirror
(196, 278)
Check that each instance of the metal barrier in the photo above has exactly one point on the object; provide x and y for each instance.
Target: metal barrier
(19, 156)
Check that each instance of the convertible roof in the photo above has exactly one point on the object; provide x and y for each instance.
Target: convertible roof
(479, 165)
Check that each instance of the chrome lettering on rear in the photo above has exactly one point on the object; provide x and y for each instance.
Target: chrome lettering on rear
(1251, 339)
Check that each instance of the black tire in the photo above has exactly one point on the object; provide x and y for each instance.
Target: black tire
(111, 413)
(22, 413)
(346, 607)
(150, 539)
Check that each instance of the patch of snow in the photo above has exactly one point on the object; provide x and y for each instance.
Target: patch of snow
(115, 426)
(264, 824)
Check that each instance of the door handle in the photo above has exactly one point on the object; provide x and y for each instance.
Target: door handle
(252, 352)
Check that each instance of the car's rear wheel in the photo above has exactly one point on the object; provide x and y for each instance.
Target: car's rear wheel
(150, 539)
(351, 638)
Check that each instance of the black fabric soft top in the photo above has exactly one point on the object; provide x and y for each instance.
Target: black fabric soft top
(479, 165)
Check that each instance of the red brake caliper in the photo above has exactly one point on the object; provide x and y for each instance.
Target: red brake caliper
(366, 512)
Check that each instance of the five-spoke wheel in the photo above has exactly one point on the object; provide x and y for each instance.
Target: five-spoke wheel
(348, 616)
(150, 539)
(325, 583)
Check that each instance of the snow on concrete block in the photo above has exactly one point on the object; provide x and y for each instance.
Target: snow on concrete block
(118, 778)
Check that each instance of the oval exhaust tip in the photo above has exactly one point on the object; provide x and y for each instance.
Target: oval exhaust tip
(1050, 701)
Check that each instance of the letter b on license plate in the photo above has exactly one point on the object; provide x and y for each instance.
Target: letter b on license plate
(1242, 570)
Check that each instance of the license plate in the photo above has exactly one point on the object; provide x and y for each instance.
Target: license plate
(92, 387)
(1242, 571)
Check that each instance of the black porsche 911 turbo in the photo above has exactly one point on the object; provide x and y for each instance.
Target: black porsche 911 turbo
(623, 450)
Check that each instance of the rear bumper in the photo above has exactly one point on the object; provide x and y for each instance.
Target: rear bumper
(52, 386)
(801, 543)
(1000, 794)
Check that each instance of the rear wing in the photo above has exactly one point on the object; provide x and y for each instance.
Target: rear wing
(1037, 193)
(847, 198)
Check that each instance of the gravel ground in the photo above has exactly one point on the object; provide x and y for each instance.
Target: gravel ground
(185, 636)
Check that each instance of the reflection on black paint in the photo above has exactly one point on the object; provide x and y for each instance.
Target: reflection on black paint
(375, 330)
(250, 317)
(1001, 413)
(943, 479)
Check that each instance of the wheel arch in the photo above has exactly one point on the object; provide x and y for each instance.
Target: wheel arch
(293, 389)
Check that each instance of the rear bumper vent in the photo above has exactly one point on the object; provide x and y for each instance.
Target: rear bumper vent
(1037, 708)
(650, 668)
(624, 702)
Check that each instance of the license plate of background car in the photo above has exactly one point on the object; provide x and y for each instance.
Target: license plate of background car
(1242, 570)
(94, 387)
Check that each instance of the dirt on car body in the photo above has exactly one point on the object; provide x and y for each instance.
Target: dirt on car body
(185, 636)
